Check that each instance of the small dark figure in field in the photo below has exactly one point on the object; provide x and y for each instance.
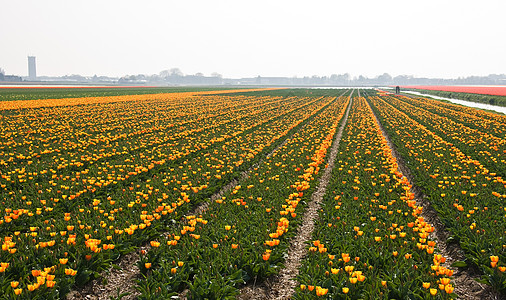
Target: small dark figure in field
(397, 90)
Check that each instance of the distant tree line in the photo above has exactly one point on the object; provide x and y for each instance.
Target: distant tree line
(381, 80)
(175, 76)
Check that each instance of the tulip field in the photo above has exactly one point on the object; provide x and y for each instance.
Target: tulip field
(213, 187)
(457, 157)
(383, 251)
(494, 95)
(485, 90)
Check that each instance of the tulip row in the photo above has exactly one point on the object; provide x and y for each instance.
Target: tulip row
(468, 197)
(484, 144)
(47, 101)
(492, 123)
(27, 93)
(70, 239)
(370, 240)
(243, 237)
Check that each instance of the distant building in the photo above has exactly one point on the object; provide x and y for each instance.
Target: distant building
(274, 80)
(11, 78)
(32, 70)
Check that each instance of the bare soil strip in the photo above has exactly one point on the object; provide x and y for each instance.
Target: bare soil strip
(282, 286)
(466, 287)
(120, 280)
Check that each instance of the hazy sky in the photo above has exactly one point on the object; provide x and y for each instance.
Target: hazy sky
(248, 38)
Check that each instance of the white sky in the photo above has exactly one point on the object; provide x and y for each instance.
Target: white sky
(433, 38)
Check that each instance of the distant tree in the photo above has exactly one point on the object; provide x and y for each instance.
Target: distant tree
(343, 78)
(403, 79)
(2, 71)
(199, 74)
(385, 78)
(333, 78)
(153, 78)
(164, 73)
(2, 74)
(315, 79)
(75, 77)
(176, 72)
(216, 74)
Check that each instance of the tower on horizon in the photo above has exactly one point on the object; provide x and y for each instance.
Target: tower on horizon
(32, 70)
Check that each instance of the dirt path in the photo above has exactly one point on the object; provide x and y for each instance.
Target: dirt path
(465, 285)
(283, 285)
(120, 280)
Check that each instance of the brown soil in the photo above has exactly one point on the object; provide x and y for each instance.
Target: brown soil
(282, 286)
(466, 287)
(114, 282)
